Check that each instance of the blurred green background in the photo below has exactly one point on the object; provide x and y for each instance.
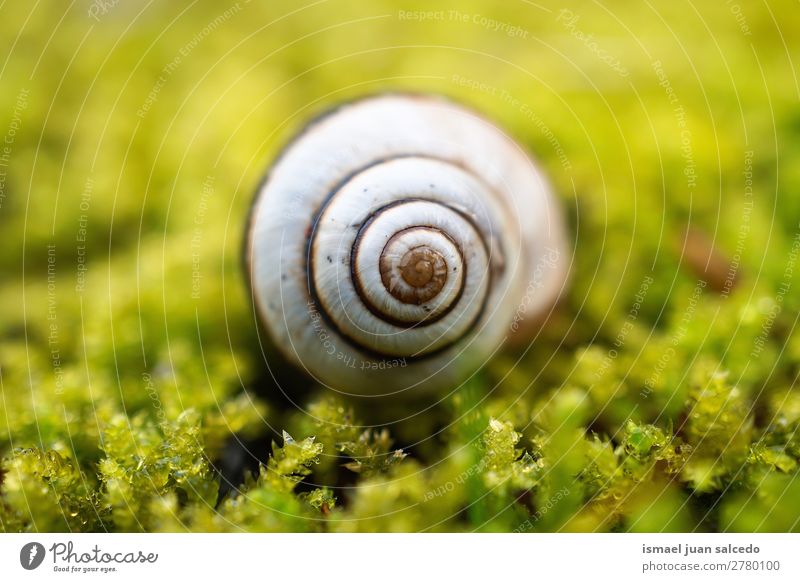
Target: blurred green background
(661, 397)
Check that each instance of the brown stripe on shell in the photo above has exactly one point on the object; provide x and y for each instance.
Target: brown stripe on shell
(419, 276)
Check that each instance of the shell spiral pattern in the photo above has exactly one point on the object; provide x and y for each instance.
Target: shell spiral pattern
(396, 240)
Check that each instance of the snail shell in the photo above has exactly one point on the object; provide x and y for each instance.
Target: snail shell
(397, 242)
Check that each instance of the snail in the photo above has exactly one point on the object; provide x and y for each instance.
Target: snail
(398, 241)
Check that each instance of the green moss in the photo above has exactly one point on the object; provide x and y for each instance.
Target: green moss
(658, 396)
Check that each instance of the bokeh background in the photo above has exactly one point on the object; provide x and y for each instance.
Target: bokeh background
(661, 396)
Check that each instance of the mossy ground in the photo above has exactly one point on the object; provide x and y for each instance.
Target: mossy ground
(661, 396)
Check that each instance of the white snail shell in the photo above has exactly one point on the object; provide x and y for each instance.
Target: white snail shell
(396, 243)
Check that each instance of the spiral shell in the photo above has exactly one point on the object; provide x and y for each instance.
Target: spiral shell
(397, 242)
